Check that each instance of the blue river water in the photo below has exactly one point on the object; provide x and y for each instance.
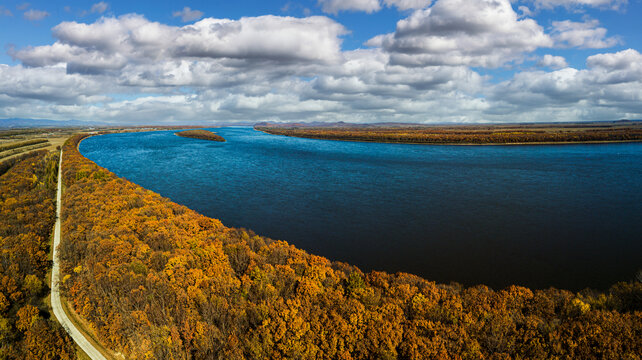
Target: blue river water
(568, 216)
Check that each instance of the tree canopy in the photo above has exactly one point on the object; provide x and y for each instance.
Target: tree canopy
(158, 280)
(27, 216)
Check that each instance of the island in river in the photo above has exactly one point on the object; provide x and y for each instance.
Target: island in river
(549, 133)
(201, 134)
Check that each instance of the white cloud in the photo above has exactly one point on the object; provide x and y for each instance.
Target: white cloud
(610, 88)
(261, 38)
(624, 59)
(35, 15)
(585, 35)
(99, 8)
(616, 68)
(369, 72)
(76, 59)
(525, 11)
(605, 4)
(51, 84)
(111, 43)
(336, 6)
(555, 62)
(487, 34)
(284, 68)
(188, 14)
(407, 4)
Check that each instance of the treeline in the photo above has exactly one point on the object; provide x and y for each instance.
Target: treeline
(20, 144)
(201, 134)
(157, 280)
(23, 149)
(5, 165)
(428, 135)
(27, 216)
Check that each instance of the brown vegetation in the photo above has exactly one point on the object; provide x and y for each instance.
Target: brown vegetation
(16, 145)
(478, 134)
(157, 280)
(27, 216)
(201, 134)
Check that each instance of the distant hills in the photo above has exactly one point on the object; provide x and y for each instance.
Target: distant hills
(338, 124)
(31, 123)
(24, 123)
(343, 124)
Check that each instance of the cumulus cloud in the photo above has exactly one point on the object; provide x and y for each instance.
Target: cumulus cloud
(487, 34)
(51, 84)
(555, 62)
(75, 58)
(407, 4)
(336, 6)
(605, 4)
(187, 14)
(263, 38)
(525, 11)
(99, 8)
(585, 35)
(610, 88)
(111, 43)
(367, 77)
(284, 68)
(35, 15)
(616, 68)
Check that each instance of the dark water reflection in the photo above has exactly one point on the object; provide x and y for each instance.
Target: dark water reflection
(568, 216)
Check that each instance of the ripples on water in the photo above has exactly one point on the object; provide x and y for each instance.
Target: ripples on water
(567, 216)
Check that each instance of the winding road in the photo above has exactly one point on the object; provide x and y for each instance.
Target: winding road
(58, 311)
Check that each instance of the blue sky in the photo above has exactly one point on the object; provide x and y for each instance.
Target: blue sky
(326, 60)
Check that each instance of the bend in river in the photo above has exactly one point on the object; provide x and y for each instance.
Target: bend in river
(539, 216)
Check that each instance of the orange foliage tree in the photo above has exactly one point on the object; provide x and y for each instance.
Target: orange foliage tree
(158, 280)
(27, 216)
(493, 134)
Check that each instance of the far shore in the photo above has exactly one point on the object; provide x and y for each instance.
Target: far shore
(464, 144)
(467, 135)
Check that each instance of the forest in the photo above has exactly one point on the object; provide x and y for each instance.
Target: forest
(157, 280)
(27, 216)
(21, 144)
(201, 134)
(466, 134)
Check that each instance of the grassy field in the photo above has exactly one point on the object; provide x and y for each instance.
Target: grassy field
(14, 143)
(617, 131)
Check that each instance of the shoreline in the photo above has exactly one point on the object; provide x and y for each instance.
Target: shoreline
(462, 144)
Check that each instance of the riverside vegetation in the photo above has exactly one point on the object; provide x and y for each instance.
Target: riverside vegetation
(27, 216)
(201, 134)
(465, 134)
(155, 279)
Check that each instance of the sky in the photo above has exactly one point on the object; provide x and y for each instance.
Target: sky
(424, 61)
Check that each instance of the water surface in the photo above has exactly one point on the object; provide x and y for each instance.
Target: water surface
(568, 216)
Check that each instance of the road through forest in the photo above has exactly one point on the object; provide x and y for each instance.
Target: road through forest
(58, 311)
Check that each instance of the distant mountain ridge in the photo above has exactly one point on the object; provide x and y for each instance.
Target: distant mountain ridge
(343, 124)
(22, 123)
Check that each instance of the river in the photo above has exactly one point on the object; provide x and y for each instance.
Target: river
(568, 216)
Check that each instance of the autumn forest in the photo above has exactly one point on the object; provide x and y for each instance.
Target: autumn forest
(553, 133)
(155, 280)
(27, 215)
